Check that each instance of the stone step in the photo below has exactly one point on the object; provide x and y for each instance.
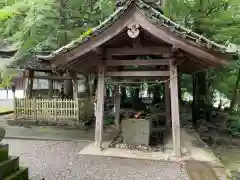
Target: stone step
(21, 174)
(9, 167)
(3, 152)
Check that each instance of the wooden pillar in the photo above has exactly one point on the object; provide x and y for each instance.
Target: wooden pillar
(117, 100)
(50, 87)
(100, 106)
(167, 104)
(75, 86)
(29, 91)
(14, 101)
(68, 86)
(179, 88)
(175, 108)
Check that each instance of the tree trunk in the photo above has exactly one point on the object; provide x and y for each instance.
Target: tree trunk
(62, 37)
(209, 93)
(234, 95)
(201, 92)
(123, 94)
(30, 84)
(195, 114)
(201, 87)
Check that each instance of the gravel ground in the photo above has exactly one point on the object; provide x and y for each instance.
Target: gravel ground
(58, 160)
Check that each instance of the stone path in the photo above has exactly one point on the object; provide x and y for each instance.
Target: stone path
(59, 160)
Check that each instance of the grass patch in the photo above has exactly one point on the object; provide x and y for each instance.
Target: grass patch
(2, 109)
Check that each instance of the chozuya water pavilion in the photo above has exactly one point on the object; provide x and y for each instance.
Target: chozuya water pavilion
(134, 31)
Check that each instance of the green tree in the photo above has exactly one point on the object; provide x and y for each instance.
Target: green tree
(41, 26)
(217, 20)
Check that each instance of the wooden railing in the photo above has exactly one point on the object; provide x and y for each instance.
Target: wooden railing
(51, 110)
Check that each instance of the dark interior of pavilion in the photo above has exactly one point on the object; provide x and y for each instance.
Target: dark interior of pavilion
(140, 101)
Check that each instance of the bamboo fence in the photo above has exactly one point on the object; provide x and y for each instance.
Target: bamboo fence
(53, 110)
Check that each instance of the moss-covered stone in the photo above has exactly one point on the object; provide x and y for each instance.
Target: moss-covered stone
(3, 152)
(21, 174)
(8, 167)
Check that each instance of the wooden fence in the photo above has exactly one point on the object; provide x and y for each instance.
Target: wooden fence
(51, 110)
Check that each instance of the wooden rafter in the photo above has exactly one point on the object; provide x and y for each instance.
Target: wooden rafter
(155, 50)
(140, 79)
(134, 82)
(138, 73)
(138, 62)
(54, 77)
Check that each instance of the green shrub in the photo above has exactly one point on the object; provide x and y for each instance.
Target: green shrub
(234, 124)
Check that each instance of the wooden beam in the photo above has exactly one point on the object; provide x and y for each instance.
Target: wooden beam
(117, 100)
(50, 87)
(54, 77)
(75, 86)
(167, 104)
(140, 68)
(47, 69)
(100, 106)
(139, 62)
(175, 109)
(155, 50)
(133, 82)
(137, 73)
(135, 78)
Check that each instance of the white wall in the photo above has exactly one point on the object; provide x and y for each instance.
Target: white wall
(9, 95)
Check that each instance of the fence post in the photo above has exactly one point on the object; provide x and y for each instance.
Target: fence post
(55, 110)
(35, 110)
(15, 107)
(78, 110)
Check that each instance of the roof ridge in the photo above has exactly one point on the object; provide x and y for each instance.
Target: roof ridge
(154, 14)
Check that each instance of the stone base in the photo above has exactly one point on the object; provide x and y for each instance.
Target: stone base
(2, 134)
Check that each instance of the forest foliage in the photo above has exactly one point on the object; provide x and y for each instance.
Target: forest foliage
(41, 26)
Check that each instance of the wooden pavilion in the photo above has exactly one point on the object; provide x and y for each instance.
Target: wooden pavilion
(138, 34)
